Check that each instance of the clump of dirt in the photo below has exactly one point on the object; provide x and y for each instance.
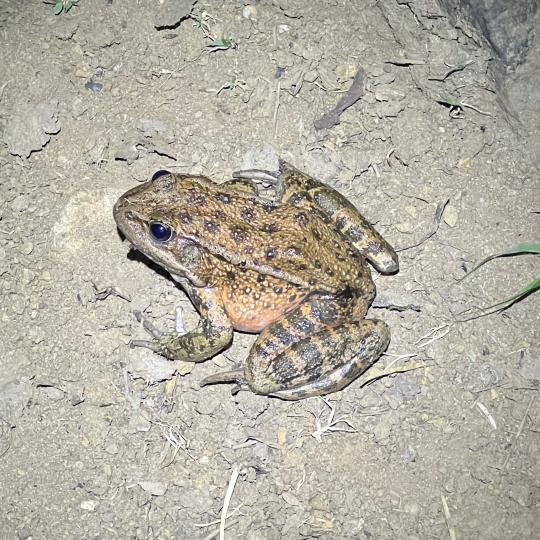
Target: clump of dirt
(98, 440)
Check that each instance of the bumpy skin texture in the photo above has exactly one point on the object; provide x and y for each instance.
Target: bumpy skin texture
(292, 269)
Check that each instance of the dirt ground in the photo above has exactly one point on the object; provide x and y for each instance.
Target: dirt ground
(98, 440)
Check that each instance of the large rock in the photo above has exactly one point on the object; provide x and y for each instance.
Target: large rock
(507, 25)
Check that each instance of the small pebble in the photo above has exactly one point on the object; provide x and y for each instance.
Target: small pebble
(93, 86)
(450, 216)
(151, 368)
(89, 505)
(249, 12)
(154, 488)
(346, 72)
(27, 248)
(411, 508)
(112, 449)
(405, 227)
(139, 424)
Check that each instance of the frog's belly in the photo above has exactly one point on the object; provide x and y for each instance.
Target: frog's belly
(254, 311)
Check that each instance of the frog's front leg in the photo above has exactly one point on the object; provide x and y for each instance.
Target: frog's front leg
(213, 334)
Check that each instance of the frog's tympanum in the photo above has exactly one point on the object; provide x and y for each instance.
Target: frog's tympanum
(291, 268)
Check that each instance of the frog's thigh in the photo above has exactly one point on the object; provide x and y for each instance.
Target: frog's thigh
(243, 186)
(320, 364)
(299, 189)
(356, 229)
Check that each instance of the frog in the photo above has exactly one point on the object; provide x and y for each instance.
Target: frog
(276, 253)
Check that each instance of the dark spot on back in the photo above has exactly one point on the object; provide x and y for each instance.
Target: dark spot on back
(317, 264)
(185, 218)
(219, 214)
(271, 252)
(196, 198)
(316, 234)
(248, 250)
(355, 234)
(269, 207)
(301, 218)
(374, 248)
(278, 290)
(211, 226)
(341, 222)
(261, 278)
(247, 214)
(296, 198)
(238, 235)
(223, 197)
(230, 275)
(270, 227)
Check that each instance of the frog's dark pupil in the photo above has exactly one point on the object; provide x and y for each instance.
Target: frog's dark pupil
(160, 231)
(159, 173)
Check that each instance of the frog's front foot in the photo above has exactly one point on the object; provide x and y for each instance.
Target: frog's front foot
(155, 332)
(148, 326)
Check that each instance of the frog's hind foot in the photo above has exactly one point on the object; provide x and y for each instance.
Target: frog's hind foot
(232, 376)
(267, 178)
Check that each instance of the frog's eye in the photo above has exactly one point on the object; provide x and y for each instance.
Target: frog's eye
(160, 232)
(157, 174)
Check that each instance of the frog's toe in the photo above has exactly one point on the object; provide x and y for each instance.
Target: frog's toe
(232, 376)
(152, 345)
(258, 175)
(148, 326)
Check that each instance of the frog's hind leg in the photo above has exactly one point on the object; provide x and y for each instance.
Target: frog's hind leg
(322, 363)
(242, 186)
(299, 189)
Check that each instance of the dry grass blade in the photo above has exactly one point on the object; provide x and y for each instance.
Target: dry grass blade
(379, 374)
(227, 500)
(519, 431)
(446, 511)
(331, 425)
(433, 335)
(434, 226)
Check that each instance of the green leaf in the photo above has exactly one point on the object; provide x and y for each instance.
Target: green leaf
(223, 44)
(450, 101)
(518, 249)
(58, 7)
(533, 286)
